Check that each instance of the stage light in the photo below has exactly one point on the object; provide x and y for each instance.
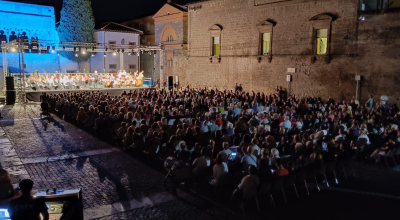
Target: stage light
(83, 52)
(76, 55)
(13, 49)
(115, 54)
(104, 55)
(92, 55)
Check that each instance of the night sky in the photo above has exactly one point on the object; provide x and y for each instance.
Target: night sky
(113, 10)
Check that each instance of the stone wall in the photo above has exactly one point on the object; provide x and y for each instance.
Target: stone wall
(368, 48)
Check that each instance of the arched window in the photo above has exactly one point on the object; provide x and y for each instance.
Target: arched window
(168, 35)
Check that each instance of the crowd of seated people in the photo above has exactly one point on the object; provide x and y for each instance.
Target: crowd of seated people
(235, 133)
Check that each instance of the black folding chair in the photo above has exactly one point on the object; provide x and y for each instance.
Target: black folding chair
(277, 185)
(290, 181)
(302, 176)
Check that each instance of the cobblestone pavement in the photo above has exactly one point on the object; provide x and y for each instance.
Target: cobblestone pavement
(118, 186)
(59, 155)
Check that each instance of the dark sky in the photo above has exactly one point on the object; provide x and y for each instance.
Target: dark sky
(113, 10)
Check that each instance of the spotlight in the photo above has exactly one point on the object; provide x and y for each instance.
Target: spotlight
(13, 49)
(115, 54)
(92, 55)
(76, 55)
(104, 55)
(83, 52)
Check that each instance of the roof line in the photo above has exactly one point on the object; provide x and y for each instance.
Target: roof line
(111, 22)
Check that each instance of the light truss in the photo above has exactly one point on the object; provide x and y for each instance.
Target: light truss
(47, 45)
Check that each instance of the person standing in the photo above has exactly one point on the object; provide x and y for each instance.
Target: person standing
(370, 102)
(27, 207)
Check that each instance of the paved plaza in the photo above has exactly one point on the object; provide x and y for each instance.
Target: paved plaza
(117, 186)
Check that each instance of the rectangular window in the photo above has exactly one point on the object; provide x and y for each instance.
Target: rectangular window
(322, 41)
(215, 46)
(132, 66)
(170, 63)
(266, 43)
(112, 66)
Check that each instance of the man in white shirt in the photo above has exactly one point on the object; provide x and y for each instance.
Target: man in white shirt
(248, 160)
(287, 124)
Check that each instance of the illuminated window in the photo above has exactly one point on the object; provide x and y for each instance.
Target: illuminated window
(215, 50)
(215, 40)
(265, 29)
(266, 43)
(322, 41)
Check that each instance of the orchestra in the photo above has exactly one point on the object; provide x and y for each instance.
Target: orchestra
(121, 79)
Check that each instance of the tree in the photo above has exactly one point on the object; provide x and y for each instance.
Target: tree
(76, 25)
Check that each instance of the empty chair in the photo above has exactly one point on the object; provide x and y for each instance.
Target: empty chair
(330, 168)
(312, 174)
(277, 185)
(302, 176)
(389, 154)
(341, 167)
(290, 181)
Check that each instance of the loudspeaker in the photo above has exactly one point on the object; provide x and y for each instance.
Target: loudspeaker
(11, 95)
(10, 83)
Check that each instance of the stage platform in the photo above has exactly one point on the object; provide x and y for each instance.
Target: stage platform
(34, 96)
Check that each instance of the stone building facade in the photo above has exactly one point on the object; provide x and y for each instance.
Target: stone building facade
(357, 43)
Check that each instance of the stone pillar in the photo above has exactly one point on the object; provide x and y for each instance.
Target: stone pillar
(121, 61)
(162, 68)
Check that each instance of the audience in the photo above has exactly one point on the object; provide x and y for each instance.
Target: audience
(218, 131)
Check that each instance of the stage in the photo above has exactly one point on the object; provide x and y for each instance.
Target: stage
(34, 96)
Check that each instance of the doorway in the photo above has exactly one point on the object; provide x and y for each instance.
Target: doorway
(170, 82)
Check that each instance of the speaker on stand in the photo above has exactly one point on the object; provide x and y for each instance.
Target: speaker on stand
(10, 93)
